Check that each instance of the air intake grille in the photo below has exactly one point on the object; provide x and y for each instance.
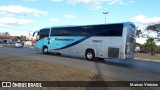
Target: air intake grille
(113, 52)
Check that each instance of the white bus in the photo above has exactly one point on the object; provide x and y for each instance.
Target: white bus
(89, 41)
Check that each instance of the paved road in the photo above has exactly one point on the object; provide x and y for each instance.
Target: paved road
(115, 70)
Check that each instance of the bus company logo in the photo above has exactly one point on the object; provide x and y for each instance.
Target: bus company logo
(63, 39)
(97, 41)
(6, 84)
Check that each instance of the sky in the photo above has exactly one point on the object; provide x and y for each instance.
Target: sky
(23, 17)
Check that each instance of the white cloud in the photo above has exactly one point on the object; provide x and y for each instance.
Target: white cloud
(13, 21)
(97, 4)
(93, 4)
(131, 1)
(70, 16)
(56, 0)
(145, 20)
(110, 2)
(20, 10)
(74, 1)
(54, 19)
(30, 0)
(85, 1)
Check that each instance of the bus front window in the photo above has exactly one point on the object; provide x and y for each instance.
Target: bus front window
(35, 36)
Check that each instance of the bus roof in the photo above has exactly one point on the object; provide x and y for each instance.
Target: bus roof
(127, 23)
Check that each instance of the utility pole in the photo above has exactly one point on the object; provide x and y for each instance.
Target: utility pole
(105, 13)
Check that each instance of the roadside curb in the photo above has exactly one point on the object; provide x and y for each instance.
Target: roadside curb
(152, 60)
(144, 65)
(28, 46)
(7, 45)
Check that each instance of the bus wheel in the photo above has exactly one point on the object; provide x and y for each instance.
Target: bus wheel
(90, 55)
(45, 50)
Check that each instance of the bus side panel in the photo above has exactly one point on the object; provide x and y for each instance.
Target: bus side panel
(39, 43)
(100, 47)
(60, 42)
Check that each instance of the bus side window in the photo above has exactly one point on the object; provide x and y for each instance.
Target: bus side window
(43, 33)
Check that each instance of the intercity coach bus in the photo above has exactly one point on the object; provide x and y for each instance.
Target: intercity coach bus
(89, 41)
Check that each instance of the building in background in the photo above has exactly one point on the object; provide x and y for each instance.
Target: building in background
(8, 39)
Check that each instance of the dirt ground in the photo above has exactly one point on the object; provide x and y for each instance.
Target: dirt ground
(39, 71)
(23, 70)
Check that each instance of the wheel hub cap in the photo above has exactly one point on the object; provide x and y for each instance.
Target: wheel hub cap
(89, 55)
(45, 50)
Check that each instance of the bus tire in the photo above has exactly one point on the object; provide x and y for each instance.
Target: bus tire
(45, 50)
(90, 55)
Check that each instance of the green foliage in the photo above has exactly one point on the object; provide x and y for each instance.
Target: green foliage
(150, 45)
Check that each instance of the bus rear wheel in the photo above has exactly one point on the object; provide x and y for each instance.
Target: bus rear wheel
(45, 50)
(90, 55)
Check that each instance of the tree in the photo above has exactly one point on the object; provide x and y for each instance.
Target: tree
(152, 33)
(5, 33)
(138, 33)
(23, 38)
(150, 29)
(156, 28)
(150, 45)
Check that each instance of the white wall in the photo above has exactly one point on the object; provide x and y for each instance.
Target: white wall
(27, 43)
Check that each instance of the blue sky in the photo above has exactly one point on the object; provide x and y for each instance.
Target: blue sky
(21, 17)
